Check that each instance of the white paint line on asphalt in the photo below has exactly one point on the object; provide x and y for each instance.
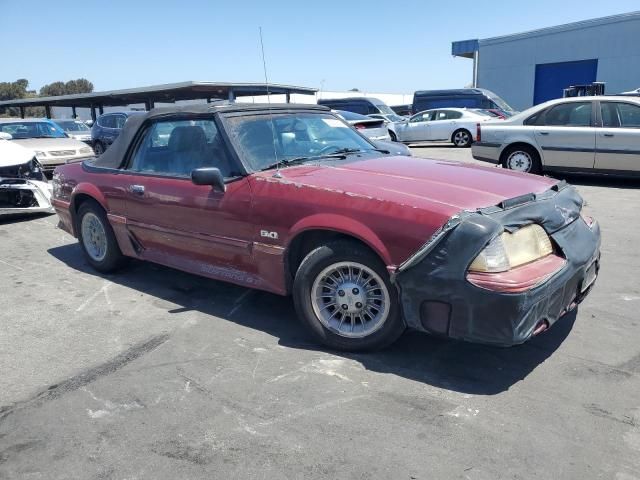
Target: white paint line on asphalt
(12, 266)
(101, 290)
(239, 300)
(308, 411)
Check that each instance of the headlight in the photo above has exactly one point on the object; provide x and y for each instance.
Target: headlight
(585, 214)
(40, 154)
(511, 250)
(86, 150)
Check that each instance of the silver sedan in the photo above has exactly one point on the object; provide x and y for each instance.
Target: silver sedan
(580, 134)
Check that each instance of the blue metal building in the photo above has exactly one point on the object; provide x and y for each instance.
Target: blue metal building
(529, 68)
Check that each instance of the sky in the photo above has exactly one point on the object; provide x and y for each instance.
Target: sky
(386, 47)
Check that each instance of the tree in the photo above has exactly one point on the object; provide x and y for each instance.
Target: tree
(19, 89)
(81, 85)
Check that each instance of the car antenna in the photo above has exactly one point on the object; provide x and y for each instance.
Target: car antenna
(273, 129)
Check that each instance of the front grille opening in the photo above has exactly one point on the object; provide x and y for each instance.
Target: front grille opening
(17, 199)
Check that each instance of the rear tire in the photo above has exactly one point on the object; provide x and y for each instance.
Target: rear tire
(462, 138)
(97, 239)
(522, 158)
(342, 293)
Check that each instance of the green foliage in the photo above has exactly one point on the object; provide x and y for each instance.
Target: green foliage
(19, 89)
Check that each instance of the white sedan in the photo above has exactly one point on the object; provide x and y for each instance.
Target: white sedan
(456, 125)
(23, 186)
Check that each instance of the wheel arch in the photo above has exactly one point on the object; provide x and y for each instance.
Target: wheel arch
(316, 230)
(459, 128)
(84, 192)
(519, 143)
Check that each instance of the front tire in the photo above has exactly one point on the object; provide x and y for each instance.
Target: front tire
(342, 293)
(462, 138)
(394, 137)
(97, 238)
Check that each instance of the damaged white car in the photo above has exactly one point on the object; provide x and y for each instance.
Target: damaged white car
(23, 186)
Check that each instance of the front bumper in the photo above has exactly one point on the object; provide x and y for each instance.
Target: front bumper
(20, 196)
(49, 164)
(436, 296)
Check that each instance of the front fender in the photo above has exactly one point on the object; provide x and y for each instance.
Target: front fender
(341, 224)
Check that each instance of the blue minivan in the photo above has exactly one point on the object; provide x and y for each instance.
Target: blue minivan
(460, 98)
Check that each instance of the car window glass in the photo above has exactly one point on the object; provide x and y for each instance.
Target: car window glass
(451, 115)
(120, 121)
(107, 121)
(176, 148)
(610, 117)
(629, 115)
(441, 115)
(574, 114)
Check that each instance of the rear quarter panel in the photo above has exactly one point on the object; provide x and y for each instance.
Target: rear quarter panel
(507, 135)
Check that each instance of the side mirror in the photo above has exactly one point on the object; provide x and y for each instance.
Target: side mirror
(209, 176)
(5, 136)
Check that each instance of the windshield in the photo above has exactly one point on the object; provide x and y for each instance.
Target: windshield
(395, 118)
(72, 126)
(385, 109)
(264, 140)
(19, 130)
(500, 102)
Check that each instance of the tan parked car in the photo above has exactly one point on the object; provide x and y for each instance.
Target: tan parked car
(51, 145)
(581, 134)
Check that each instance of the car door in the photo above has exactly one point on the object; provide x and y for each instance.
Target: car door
(444, 123)
(417, 128)
(177, 223)
(567, 136)
(618, 141)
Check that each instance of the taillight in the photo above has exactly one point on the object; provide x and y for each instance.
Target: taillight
(478, 132)
(360, 126)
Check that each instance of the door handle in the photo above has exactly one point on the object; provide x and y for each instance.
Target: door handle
(136, 189)
(543, 133)
(608, 134)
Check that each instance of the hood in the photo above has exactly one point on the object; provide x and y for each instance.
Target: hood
(85, 134)
(445, 186)
(12, 154)
(46, 144)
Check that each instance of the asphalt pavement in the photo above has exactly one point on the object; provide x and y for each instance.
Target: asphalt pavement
(156, 374)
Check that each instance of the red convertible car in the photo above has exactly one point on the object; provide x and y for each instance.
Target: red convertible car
(292, 200)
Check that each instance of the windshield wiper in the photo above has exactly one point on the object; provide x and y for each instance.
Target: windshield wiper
(295, 160)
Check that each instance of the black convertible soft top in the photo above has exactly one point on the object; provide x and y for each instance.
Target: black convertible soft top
(115, 154)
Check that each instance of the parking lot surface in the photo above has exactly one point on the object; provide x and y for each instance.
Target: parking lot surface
(153, 373)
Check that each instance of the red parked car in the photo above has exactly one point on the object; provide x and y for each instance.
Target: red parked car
(292, 200)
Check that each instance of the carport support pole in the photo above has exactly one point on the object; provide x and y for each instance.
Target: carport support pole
(476, 58)
(288, 97)
(93, 113)
(232, 96)
(73, 113)
(100, 109)
(47, 110)
(21, 112)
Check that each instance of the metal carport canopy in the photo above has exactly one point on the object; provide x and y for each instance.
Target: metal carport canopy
(166, 93)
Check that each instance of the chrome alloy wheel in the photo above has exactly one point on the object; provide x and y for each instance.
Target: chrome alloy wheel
(94, 237)
(461, 138)
(520, 161)
(350, 299)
